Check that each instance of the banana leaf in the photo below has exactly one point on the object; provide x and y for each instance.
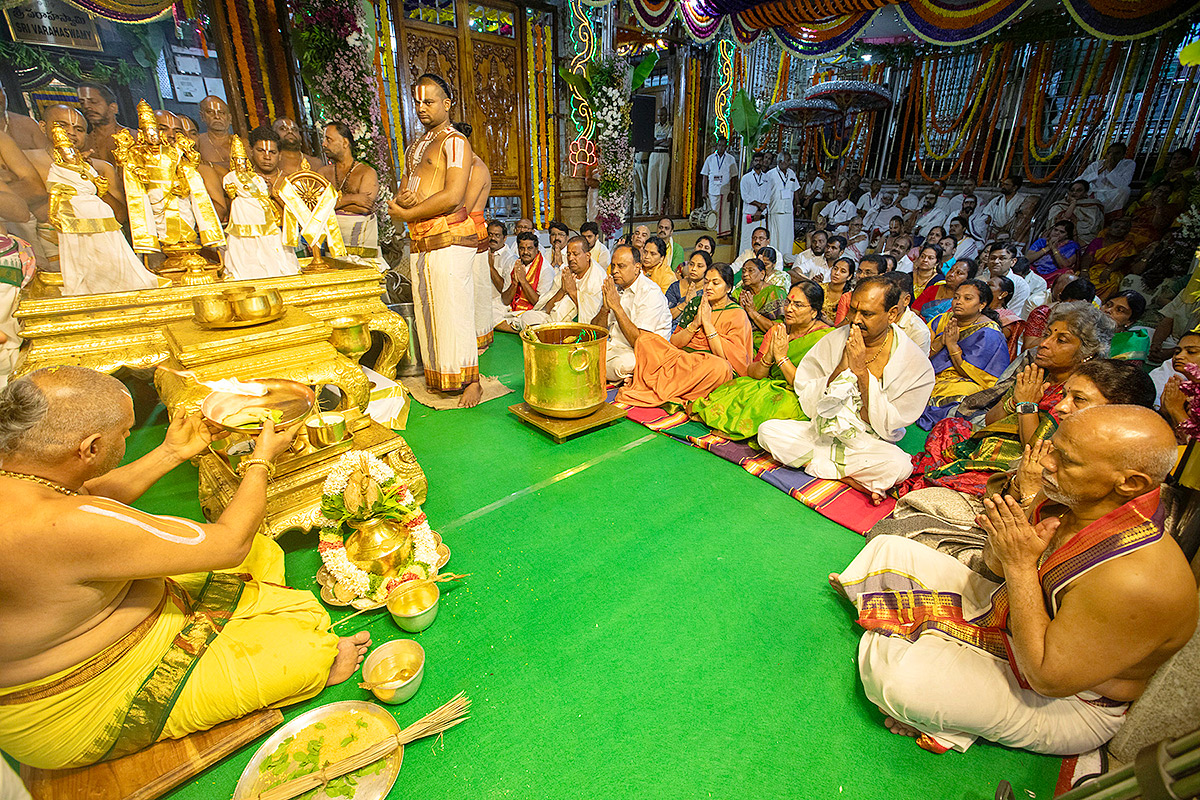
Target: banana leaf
(643, 70)
(577, 82)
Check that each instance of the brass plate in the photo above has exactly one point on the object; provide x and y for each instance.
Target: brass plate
(292, 399)
(239, 323)
(562, 429)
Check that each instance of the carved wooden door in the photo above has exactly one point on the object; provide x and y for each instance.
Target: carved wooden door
(477, 49)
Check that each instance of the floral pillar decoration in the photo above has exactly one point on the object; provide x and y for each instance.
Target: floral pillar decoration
(611, 103)
(543, 135)
(581, 152)
(335, 45)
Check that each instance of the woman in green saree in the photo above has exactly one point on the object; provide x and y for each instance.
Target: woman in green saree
(762, 301)
(737, 408)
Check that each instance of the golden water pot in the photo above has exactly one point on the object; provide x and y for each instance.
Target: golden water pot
(210, 308)
(252, 306)
(379, 546)
(350, 336)
(564, 378)
(274, 300)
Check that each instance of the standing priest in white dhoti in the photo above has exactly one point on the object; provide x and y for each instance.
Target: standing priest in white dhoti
(357, 185)
(93, 254)
(781, 212)
(254, 244)
(860, 387)
(756, 199)
(719, 170)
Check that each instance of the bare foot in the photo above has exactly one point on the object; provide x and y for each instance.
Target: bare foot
(351, 651)
(471, 395)
(628, 381)
(876, 497)
(897, 727)
(835, 581)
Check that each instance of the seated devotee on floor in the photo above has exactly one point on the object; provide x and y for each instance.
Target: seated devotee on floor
(1179, 316)
(856, 238)
(946, 520)
(949, 247)
(1109, 177)
(871, 264)
(685, 293)
(600, 252)
(898, 252)
(989, 430)
(905, 199)
(929, 216)
(759, 239)
(1010, 324)
(1108, 257)
(909, 322)
(926, 273)
(674, 252)
(966, 247)
(1125, 309)
(838, 289)
(1068, 288)
(1093, 598)
(559, 235)
(860, 387)
(712, 349)
(968, 353)
(737, 408)
(769, 257)
(1178, 175)
(1150, 219)
(655, 265)
(706, 243)
(763, 302)
(118, 630)
(529, 286)
(811, 263)
(869, 200)
(841, 210)
(500, 264)
(1080, 209)
(631, 304)
(879, 222)
(938, 296)
(811, 190)
(1055, 251)
(1010, 212)
(1168, 382)
(884, 238)
(575, 293)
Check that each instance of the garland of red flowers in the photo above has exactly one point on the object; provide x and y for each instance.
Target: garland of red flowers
(1148, 93)
(981, 60)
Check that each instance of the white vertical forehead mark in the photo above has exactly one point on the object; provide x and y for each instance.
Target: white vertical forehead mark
(455, 151)
(421, 87)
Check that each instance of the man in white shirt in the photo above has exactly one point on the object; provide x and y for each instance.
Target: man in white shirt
(928, 216)
(904, 197)
(500, 264)
(660, 163)
(954, 204)
(910, 322)
(756, 198)
(977, 222)
(758, 240)
(556, 256)
(876, 223)
(841, 210)
(782, 209)
(810, 191)
(943, 200)
(860, 387)
(633, 304)
(576, 291)
(1110, 176)
(1004, 258)
(1010, 212)
(870, 200)
(967, 247)
(591, 232)
(719, 170)
(811, 263)
(899, 251)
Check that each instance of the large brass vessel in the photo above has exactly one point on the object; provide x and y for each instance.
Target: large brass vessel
(564, 378)
(379, 546)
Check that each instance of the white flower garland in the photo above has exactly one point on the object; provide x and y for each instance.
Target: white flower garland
(369, 589)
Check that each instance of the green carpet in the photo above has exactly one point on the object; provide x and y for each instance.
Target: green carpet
(644, 620)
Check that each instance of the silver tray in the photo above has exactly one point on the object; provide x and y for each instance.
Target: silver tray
(372, 787)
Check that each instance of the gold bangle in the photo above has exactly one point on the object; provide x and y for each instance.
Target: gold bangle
(246, 464)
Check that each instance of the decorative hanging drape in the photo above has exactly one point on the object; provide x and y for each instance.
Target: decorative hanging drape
(253, 28)
(125, 10)
(1127, 19)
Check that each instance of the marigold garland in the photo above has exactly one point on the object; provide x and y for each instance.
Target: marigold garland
(975, 106)
(1148, 93)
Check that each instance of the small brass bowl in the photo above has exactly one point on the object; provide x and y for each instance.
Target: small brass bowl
(253, 306)
(350, 336)
(326, 429)
(210, 308)
(237, 291)
(414, 609)
(274, 300)
(387, 664)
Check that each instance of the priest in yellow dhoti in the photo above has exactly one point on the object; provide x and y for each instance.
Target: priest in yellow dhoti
(115, 630)
(93, 255)
(254, 246)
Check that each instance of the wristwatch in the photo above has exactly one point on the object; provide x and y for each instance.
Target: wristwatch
(1027, 408)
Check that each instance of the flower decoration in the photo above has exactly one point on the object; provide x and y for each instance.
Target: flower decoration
(360, 487)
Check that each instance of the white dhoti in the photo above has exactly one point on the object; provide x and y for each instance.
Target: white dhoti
(444, 296)
(876, 464)
(656, 181)
(593, 203)
(951, 691)
(641, 197)
(360, 232)
(485, 314)
(619, 361)
(720, 204)
(783, 235)
(254, 244)
(10, 295)
(93, 255)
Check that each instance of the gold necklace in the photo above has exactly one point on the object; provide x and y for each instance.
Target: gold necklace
(21, 476)
(886, 341)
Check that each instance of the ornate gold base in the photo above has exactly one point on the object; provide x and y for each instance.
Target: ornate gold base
(562, 429)
(293, 496)
(184, 265)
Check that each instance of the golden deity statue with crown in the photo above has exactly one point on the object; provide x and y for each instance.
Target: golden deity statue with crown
(93, 254)
(170, 211)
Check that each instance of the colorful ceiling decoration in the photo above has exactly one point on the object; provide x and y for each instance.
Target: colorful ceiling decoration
(125, 10)
(821, 28)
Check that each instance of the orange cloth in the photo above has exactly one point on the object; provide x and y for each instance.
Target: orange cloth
(666, 373)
